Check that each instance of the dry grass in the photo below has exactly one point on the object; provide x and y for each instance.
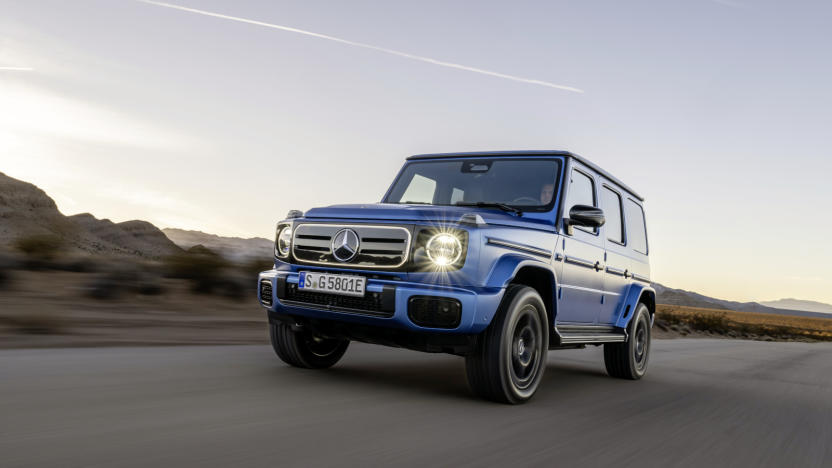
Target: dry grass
(744, 324)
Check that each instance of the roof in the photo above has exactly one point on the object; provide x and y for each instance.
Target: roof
(566, 154)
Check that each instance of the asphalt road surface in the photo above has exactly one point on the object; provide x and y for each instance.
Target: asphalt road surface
(703, 403)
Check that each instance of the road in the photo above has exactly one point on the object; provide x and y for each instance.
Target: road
(703, 403)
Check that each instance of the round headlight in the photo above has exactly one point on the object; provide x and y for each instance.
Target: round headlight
(444, 249)
(284, 241)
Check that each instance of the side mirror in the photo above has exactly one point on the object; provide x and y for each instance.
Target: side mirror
(584, 215)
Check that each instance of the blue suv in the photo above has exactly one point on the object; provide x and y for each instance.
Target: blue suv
(497, 257)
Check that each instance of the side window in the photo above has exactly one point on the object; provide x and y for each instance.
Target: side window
(636, 229)
(611, 204)
(420, 190)
(581, 192)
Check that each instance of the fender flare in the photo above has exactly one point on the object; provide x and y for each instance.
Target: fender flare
(636, 293)
(506, 268)
(510, 266)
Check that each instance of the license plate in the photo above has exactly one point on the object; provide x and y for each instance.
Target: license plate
(346, 285)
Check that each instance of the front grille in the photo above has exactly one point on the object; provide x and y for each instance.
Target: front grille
(379, 246)
(266, 292)
(381, 304)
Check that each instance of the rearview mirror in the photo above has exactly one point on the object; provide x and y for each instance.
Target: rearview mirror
(584, 215)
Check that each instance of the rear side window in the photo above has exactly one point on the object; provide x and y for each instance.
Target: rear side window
(581, 192)
(611, 204)
(636, 229)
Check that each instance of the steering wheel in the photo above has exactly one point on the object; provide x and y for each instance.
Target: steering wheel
(521, 200)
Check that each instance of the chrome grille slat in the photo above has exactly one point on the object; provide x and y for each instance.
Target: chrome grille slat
(314, 243)
(381, 247)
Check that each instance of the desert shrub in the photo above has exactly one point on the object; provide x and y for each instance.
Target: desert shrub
(194, 266)
(232, 288)
(5, 277)
(717, 323)
(206, 272)
(35, 324)
(252, 267)
(114, 281)
(105, 287)
(78, 265)
(44, 247)
(150, 285)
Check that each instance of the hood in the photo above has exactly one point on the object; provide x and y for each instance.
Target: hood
(428, 214)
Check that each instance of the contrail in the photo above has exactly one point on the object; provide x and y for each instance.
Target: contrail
(16, 69)
(367, 46)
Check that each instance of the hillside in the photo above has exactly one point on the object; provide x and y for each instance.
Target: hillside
(27, 211)
(232, 248)
(680, 297)
(798, 304)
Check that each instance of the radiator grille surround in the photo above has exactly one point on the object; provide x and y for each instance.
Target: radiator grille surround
(384, 247)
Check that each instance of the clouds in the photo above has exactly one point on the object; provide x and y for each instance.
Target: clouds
(40, 112)
(385, 50)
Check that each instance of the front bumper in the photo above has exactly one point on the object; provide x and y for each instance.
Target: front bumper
(392, 297)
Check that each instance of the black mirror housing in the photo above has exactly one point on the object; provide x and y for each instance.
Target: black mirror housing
(584, 215)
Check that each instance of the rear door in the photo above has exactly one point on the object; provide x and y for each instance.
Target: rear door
(581, 283)
(637, 245)
(617, 262)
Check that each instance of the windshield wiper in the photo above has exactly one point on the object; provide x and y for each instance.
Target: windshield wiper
(501, 206)
(414, 203)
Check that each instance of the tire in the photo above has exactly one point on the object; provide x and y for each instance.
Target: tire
(304, 350)
(509, 358)
(629, 360)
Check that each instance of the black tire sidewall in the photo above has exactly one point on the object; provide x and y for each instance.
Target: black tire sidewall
(642, 316)
(510, 315)
(292, 348)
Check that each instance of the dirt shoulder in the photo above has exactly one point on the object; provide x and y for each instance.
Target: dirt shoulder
(674, 321)
(51, 309)
(59, 309)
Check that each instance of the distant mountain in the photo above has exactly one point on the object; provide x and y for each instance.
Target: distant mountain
(232, 248)
(798, 304)
(132, 237)
(665, 295)
(27, 211)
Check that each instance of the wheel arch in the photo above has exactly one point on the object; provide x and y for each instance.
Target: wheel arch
(636, 293)
(517, 269)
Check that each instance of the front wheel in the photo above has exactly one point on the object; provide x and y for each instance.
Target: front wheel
(299, 348)
(508, 361)
(629, 360)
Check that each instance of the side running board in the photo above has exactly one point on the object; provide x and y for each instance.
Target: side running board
(589, 334)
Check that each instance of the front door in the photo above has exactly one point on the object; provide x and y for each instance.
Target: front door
(581, 284)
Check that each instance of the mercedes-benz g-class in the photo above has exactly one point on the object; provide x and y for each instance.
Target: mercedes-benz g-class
(497, 257)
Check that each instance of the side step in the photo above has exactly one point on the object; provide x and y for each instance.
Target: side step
(589, 334)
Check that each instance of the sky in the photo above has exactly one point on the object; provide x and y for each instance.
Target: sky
(717, 112)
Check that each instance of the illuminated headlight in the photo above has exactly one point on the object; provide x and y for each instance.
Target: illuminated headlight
(444, 249)
(284, 241)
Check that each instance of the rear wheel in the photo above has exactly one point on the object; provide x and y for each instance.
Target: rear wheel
(629, 360)
(508, 361)
(303, 349)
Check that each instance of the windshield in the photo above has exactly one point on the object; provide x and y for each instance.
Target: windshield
(527, 184)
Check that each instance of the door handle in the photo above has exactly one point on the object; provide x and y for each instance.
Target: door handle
(627, 274)
(598, 266)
